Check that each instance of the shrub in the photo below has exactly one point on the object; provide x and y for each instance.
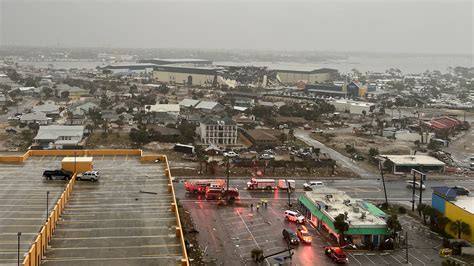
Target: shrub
(402, 210)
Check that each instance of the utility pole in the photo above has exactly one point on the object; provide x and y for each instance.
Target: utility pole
(413, 197)
(288, 190)
(384, 188)
(228, 178)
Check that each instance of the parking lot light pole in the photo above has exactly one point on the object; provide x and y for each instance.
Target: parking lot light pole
(18, 251)
(228, 178)
(47, 205)
(413, 196)
(288, 190)
(384, 188)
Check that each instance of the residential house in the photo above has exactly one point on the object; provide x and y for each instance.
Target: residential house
(49, 108)
(172, 109)
(59, 137)
(280, 120)
(188, 103)
(163, 119)
(83, 108)
(72, 90)
(263, 137)
(112, 117)
(209, 107)
(3, 100)
(192, 118)
(218, 131)
(36, 117)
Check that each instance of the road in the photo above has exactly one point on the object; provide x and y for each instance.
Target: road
(27, 103)
(341, 159)
(368, 189)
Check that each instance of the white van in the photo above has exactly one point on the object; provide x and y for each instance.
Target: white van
(312, 185)
(282, 184)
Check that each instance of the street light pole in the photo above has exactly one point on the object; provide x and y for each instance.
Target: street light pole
(18, 251)
(228, 178)
(47, 205)
(384, 188)
(413, 197)
(288, 190)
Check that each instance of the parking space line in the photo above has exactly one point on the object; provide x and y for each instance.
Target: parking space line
(268, 263)
(369, 259)
(355, 259)
(41, 159)
(103, 157)
(409, 254)
(250, 245)
(395, 258)
(381, 257)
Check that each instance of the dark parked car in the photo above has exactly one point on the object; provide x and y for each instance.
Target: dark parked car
(57, 174)
(290, 236)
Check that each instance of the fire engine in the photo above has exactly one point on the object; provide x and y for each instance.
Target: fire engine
(200, 185)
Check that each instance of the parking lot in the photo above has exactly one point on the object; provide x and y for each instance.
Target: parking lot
(123, 219)
(23, 205)
(228, 234)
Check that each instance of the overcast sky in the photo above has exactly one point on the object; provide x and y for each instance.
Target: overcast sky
(379, 25)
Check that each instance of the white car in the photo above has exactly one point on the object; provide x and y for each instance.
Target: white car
(312, 185)
(417, 185)
(294, 216)
(266, 156)
(89, 175)
(230, 154)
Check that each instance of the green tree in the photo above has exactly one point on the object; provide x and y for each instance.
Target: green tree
(282, 137)
(120, 121)
(139, 136)
(420, 207)
(341, 226)
(48, 92)
(393, 224)
(460, 228)
(373, 152)
(65, 94)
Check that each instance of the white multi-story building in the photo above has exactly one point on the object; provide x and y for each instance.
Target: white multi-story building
(218, 131)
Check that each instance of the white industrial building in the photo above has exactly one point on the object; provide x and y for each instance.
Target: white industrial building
(172, 109)
(322, 75)
(353, 107)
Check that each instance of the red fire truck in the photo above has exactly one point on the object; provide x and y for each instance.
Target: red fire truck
(200, 185)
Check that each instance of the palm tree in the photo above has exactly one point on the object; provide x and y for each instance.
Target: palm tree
(420, 208)
(341, 226)
(459, 227)
(429, 211)
(393, 224)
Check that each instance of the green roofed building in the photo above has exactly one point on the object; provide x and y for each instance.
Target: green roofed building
(367, 224)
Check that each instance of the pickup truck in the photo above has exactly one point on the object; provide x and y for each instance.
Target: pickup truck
(57, 174)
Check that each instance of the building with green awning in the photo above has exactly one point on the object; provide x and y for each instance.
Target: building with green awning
(367, 224)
